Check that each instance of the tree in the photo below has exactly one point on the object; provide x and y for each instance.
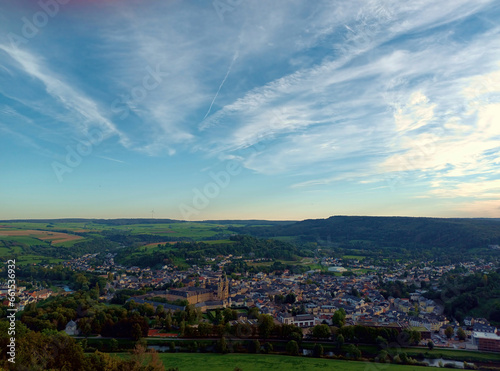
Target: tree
(218, 316)
(292, 348)
(256, 346)
(340, 341)
(268, 348)
(205, 329)
(485, 280)
(382, 356)
(114, 345)
(160, 310)
(136, 331)
(253, 313)
(222, 345)
(279, 299)
(430, 345)
(95, 291)
(140, 356)
(318, 350)
(353, 351)
(449, 332)
(84, 343)
(229, 314)
(321, 331)
(86, 327)
(290, 298)
(381, 342)
(168, 322)
(415, 337)
(338, 317)
(297, 336)
(182, 328)
(461, 334)
(266, 325)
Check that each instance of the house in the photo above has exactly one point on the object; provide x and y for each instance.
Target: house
(304, 320)
(427, 305)
(486, 341)
(468, 321)
(285, 318)
(480, 327)
(238, 300)
(414, 296)
(71, 328)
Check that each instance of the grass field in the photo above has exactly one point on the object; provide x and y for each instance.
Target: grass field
(355, 257)
(73, 227)
(261, 362)
(196, 231)
(54, 237)
(21, 240)
(16, 239)
(459, 355)
(35, 259)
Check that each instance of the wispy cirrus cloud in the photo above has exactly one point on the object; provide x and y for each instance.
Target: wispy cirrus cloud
(313, 95)
(84, 110)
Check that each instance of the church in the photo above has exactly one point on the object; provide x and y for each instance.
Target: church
(216, 291)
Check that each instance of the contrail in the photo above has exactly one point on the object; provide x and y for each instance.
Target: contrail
(111, 159)
(222, 83)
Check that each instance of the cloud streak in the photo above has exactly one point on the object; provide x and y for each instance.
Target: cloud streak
(222, 84)
(318, 96)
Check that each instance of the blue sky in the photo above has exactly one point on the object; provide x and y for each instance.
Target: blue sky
(239, 109)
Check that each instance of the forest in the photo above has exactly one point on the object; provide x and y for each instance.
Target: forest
(426, 237)
(196, 252)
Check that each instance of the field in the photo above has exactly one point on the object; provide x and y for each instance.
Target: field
(54, 237)
(18, 239)
(196, 231)
(155, 244)
(260, 362)
(354, 257)
(24, 241)
(459, 355)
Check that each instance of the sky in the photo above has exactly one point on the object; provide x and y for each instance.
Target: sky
(239, 109)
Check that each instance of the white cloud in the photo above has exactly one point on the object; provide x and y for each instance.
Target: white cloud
(418, 113)
(346, 93)
(367, 87)
(66, 95)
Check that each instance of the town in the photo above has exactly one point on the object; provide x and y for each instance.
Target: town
(304, 300)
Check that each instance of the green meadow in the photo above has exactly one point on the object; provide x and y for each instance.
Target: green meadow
(265, 362)
(354, 257)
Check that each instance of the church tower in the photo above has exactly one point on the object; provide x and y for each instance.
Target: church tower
(223, 288)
